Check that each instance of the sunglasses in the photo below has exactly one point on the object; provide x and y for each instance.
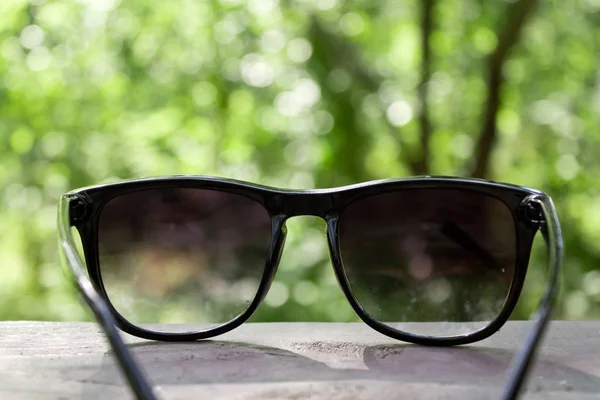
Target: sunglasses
(433, 261)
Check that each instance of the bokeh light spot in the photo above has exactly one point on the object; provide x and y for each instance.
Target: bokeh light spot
(256, 71)
(299, 50)
(305, 293)
(32, 36)
(272, 41)
(399, 113)
(352, 24)
(462, 146)
(278, 294)
(567, 166)
(21, 140)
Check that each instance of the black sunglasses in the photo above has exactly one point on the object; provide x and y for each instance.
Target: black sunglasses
(433, 261)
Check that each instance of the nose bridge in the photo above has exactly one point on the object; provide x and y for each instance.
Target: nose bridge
(306, 203)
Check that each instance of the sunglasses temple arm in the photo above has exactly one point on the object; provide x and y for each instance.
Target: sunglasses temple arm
(70, 257)
(522, 362)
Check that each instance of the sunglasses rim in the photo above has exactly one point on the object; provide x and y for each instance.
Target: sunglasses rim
(523, 241)
(282, 204)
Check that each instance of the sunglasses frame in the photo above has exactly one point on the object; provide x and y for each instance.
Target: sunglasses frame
(86, 206)
(536, 209)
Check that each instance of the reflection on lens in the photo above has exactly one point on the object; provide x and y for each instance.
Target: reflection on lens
(432, 256)
(182, 256)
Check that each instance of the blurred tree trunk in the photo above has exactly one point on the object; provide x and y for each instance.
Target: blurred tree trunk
(347, 142)
(517, 15)
(421, 165)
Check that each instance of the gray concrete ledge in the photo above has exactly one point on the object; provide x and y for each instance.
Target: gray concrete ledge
(46, 360)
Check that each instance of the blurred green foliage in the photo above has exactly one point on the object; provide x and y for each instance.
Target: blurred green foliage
(301, 94)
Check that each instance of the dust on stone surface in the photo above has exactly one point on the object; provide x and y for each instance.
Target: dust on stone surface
(330, 392)
(330, 347)
(383, 352)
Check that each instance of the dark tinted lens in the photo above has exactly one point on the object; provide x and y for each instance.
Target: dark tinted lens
(429, 255)
(182, 256)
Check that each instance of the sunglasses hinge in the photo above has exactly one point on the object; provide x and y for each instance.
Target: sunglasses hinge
(532, 212)
(77, 209)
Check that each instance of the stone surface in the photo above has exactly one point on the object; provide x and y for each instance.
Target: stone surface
(45, 360)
